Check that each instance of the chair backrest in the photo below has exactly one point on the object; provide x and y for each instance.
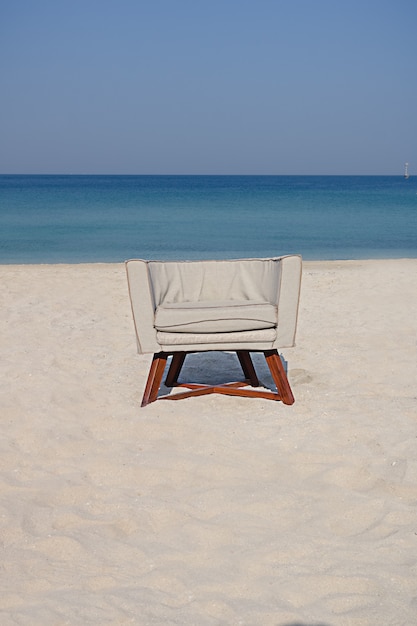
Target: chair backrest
(196, 281)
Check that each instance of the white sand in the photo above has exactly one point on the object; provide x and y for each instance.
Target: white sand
(212, 510)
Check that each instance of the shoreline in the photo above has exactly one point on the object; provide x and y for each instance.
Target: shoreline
(214, 509)
(305, 261)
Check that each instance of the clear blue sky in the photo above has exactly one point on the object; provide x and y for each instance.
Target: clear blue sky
(208, 86)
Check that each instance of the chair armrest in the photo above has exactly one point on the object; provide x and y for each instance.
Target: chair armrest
(288, 300)
(143, 307)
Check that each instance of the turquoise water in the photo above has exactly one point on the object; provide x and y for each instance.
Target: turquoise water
(71, 219)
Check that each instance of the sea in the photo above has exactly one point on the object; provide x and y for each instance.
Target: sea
(103, 218)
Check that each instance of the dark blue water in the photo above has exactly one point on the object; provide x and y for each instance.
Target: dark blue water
(71, 219)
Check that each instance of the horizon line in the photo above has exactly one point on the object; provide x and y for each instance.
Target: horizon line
(176, 174)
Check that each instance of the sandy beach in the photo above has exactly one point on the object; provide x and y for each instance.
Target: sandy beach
(214, 510)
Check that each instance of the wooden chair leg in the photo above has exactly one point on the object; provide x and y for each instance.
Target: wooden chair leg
(247, 367)
(273, 360)
(154, 378)
(177, 362)
(279, 376)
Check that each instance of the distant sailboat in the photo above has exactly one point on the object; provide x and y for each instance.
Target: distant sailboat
(406, 174)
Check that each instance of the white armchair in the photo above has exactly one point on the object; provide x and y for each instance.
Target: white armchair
(246, 305)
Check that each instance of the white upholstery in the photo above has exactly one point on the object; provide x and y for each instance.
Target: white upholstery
(196, 281)
(249, 304)
(215, 316)
(186, 340)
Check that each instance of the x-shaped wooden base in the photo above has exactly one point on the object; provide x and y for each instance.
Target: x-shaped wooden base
(231, 389)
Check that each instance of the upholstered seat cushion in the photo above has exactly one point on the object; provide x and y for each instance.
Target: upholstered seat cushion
(210, 341)
(215, 316)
